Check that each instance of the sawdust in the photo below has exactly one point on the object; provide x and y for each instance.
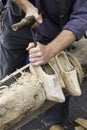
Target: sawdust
(24, 79)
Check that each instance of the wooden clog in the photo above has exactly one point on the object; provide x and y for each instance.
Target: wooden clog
(69, 74)
(50, 83)
(55, 67)
(73, 60)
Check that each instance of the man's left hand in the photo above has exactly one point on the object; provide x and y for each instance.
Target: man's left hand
(38, 55)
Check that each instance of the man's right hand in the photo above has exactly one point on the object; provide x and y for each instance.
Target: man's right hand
(33, 11)
(30, 10)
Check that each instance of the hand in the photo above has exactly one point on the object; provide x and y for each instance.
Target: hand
(34, 12)
(38, 55)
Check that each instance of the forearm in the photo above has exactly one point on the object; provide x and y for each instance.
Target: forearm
(64, 39)
(25, 5)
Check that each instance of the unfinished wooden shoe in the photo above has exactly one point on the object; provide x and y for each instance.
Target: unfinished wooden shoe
(50, 82)
(69, 74)
(74, 61)
(54, 65)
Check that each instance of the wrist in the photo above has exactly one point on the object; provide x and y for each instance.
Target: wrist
(50, 50)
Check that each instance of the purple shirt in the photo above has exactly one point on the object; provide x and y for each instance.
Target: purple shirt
(77, 22)
(78, 19)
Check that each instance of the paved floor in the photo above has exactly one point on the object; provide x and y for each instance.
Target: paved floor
(78, 108)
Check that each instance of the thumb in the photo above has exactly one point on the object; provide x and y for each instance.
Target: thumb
(31, 45)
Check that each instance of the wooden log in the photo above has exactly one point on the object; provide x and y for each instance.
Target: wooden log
(22, 97)
(82, 122)
(23, 92)
(30, 116)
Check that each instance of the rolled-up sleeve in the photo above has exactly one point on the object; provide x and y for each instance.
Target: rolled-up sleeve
(78, 19)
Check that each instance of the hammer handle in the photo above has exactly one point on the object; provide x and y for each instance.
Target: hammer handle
(26, 21)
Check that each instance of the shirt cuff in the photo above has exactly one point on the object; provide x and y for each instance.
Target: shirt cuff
(77, 28)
